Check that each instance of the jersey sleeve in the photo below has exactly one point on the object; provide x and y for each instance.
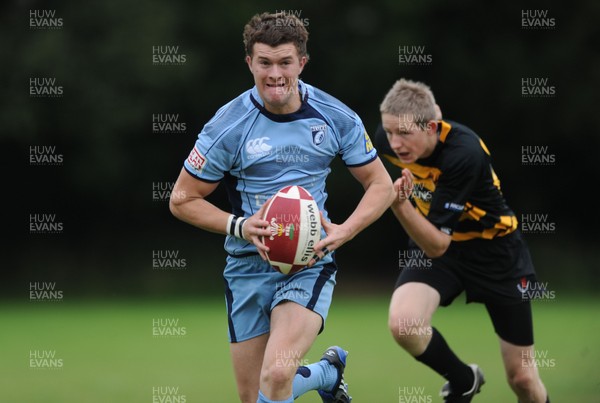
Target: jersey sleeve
(213, 153)
(461, 170)
(357, 148)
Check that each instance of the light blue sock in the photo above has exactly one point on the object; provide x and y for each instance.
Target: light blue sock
(320, 375)
(263, 399)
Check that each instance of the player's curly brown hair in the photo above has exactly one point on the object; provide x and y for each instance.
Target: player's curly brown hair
(275, 29)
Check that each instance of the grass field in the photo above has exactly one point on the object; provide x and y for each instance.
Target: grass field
(107, 352)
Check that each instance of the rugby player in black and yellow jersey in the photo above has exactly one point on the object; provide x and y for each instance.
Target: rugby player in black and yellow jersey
(462, 237)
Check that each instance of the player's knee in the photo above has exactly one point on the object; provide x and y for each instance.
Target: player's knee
(523, 380)
(408, 330)
(394, 326)
(278, 376)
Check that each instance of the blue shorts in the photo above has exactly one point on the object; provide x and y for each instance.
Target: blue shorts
(253, 288)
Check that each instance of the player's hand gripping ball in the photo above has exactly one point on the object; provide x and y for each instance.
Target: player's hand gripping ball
(295, 225)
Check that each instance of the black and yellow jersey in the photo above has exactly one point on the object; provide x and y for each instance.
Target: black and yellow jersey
(456, 187)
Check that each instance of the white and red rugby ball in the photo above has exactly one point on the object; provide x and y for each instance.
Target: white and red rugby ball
(295, 225)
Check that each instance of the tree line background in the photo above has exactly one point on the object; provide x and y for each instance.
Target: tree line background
(102, 190)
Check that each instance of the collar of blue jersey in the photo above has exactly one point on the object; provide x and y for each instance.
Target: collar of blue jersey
(300, 113)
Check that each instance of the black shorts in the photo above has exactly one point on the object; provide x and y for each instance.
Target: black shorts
(488, 271)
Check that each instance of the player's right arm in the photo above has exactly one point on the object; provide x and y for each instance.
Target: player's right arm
(188, 203)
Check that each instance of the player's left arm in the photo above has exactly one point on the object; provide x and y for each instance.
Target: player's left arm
(462, 170)
(375, 201)
(428, 237)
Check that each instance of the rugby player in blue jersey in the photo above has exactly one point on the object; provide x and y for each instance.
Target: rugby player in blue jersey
(280, 132)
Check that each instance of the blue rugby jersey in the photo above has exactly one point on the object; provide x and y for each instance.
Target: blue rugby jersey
(255, 153)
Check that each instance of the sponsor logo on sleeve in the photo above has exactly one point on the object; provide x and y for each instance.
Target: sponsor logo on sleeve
(454, 206)
(196, 160)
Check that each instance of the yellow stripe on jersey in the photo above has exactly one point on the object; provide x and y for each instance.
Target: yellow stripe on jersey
(444, 131)
(474, 212)
(496, 179)
(482, 144)
(494, 176)
(506, 225)
(507, 222)
(419, 171)
(368, 144)
(425, 179)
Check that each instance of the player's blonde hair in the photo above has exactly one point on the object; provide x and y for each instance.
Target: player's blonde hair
(410, 97)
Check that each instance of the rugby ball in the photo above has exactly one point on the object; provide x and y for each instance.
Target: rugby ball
(295, 225)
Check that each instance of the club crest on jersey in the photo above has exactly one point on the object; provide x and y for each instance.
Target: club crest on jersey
(318, 133)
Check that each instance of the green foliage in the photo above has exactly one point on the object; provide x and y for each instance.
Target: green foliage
(102, 56)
